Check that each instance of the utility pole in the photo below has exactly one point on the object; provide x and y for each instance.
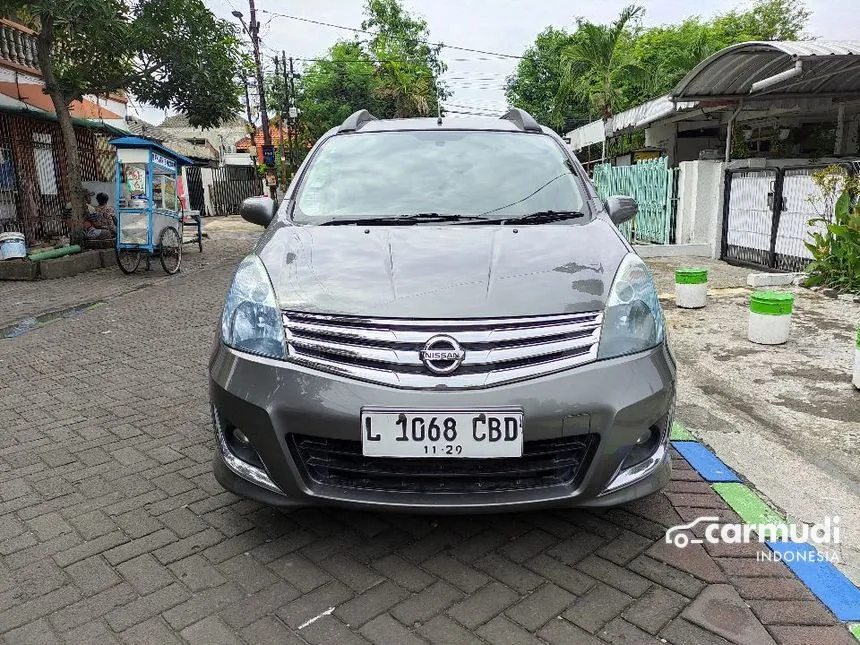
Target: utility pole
(288, 97)
(294, 114)
(248, 108)
(283, 115)
(253, 31)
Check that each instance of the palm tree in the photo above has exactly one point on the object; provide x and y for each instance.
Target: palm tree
(598, 63)
(409, 90)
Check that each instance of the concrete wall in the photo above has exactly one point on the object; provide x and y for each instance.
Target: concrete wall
(699, 214)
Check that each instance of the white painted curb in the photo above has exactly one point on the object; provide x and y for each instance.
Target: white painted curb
(767, 329)
(772, 279)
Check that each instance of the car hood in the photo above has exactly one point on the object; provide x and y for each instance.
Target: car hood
(443, 271)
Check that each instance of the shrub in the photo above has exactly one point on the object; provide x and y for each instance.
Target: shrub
(835, 245)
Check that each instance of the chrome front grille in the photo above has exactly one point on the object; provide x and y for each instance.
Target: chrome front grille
(388, 350)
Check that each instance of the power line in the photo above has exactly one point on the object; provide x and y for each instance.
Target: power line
(365, 31)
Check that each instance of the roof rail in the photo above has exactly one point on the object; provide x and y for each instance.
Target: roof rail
(523, 120)
(355, 120)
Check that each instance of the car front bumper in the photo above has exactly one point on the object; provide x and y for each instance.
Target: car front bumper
(614, 401)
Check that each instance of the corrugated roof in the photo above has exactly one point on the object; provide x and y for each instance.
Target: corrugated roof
(829, 67)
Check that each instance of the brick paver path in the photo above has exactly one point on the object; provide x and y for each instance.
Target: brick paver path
(113, 529)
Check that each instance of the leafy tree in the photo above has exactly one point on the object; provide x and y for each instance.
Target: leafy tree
(394, 73)
(667, 53)
(765, 20)
(408, 66)
(601, 69)
(600, 61)
(168, 53)
(331, 89)
(535, 85)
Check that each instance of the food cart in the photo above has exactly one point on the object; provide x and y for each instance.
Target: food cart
(149, 216)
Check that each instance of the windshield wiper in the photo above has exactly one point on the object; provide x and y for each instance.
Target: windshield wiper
(414, 218)
(539, 217)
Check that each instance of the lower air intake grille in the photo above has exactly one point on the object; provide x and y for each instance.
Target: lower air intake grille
(336, 462)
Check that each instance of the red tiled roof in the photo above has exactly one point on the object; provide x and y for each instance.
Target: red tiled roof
(244, 144)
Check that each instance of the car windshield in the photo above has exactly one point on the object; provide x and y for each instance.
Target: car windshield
(446, 172)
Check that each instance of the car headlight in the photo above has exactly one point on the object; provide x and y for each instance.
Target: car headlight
(633, 319)
(251, 321)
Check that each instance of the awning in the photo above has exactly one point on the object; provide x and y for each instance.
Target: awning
(777, 70)
(632, 119)
(647, 113)
(587, 135)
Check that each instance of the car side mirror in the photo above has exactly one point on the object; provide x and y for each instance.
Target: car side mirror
(258, 210)
(621, 209)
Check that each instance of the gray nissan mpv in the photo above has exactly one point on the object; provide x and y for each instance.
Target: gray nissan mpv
(442, 315)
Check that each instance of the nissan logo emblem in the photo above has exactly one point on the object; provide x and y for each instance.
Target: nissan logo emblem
(442, 354)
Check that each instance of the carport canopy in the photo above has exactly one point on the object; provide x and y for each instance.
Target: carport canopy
(775, 70)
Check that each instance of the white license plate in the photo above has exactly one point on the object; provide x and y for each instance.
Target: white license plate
(387, 432)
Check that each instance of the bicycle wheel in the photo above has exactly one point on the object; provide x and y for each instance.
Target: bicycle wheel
(128, 260)
(170, 242)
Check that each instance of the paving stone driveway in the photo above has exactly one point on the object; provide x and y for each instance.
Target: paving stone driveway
(113, 529)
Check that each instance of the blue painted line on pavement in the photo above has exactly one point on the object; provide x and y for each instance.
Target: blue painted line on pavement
(705, 462)
(831, 586)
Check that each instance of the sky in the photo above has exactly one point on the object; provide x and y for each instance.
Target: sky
(506, 26)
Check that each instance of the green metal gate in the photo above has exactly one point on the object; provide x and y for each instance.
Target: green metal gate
(652, 184)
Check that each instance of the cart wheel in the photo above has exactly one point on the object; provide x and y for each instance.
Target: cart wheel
(128, 260)
(170, 242)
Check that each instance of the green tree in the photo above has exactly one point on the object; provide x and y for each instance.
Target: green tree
(535, 86)
(601, 69)
(168, 53)
(765, 20)
(666, 54)
(393, 73)
(331, 89)
(407, 65)
(600, 61)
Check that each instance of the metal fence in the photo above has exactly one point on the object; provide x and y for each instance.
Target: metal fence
(34, 187)
(231, 185)
(653, 184)
(766, 216)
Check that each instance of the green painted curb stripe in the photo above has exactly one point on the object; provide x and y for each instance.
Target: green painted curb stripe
(691, 276)
(751, 508)
(855, 630)
(680, 433)
(771, 303)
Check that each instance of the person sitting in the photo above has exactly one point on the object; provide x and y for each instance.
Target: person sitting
(101, 221)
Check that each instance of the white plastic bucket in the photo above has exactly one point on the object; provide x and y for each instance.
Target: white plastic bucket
(691, 288)
(12, 246)
(770, 317)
